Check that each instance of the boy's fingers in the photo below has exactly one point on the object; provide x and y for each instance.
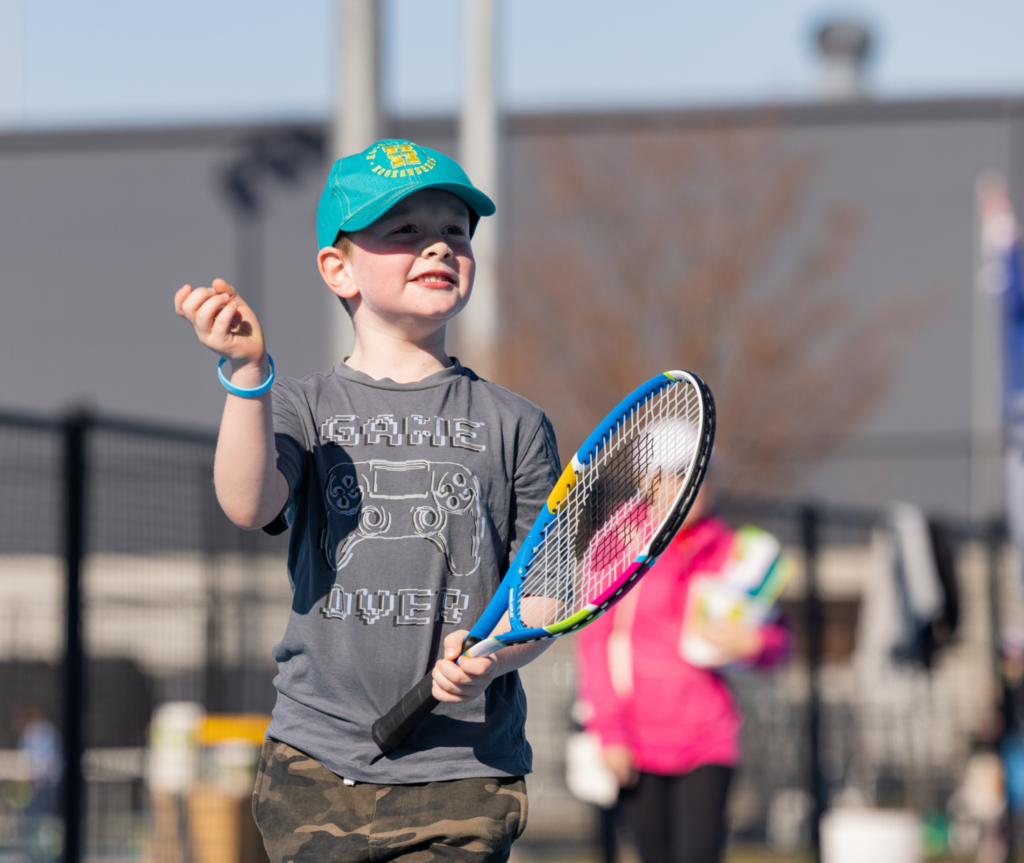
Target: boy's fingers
(453, 643)
(192, 301)
(475, 666)
(461, 682)
(180, 296)
(222, 320)
(209, 311)
(445, 688)
(449, 674)
(467, 671)
(219, 286)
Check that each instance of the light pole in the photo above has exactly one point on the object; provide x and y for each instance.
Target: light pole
(475, 331)
(993, 234)
(357, 124)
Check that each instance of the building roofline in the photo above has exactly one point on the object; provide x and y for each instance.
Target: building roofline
(155, 138)
(805, 114)
(524, 125)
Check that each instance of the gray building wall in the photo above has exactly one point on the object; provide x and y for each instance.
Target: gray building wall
(98, 230)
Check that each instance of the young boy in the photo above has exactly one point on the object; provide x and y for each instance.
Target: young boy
(408, 484)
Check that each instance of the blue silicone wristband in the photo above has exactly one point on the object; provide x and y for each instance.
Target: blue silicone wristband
(252, 392)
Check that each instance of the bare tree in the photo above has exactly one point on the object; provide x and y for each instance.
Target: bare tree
(695, 249)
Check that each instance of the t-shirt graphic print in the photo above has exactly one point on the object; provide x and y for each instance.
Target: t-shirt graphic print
(380, 501)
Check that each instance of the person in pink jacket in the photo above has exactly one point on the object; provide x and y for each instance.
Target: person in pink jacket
(669, 730)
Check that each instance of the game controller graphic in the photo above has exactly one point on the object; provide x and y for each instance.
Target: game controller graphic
(436, 501)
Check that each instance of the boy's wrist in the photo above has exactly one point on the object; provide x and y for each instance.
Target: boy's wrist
(248, 373)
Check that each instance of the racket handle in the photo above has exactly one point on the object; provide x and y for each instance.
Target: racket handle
(392, 728)
(395, 725)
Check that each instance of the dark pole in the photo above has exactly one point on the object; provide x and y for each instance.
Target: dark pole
(995, 535)
(813, 624)
(209, 514)
(75, 433)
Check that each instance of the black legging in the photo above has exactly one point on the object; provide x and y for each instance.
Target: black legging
(679, 819)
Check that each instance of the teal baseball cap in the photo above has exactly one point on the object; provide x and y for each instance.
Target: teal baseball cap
(363, 187)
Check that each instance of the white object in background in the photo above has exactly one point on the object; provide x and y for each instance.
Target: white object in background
(232, 766)
(587, 775)
(873, 835)
(916, 558)
(173, 749)
(981, 796)
(752, 559)
(789, 814)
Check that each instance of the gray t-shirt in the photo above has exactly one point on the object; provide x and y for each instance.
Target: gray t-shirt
(407, 503)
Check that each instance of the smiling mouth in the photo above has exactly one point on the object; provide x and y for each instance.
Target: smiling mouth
(441, 279)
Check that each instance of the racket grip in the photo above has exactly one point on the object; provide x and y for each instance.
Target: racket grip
(392, 728)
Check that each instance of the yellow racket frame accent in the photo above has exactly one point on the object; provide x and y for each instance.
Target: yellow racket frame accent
(565, 483)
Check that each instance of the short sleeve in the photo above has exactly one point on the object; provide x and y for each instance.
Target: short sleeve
(289, 437)
(536, 472)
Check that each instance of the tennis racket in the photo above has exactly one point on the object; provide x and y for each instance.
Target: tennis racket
(614, 509)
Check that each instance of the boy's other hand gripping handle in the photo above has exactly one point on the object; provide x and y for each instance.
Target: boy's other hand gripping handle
(392, 728)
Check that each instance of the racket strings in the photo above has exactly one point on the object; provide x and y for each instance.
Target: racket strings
(621, 499)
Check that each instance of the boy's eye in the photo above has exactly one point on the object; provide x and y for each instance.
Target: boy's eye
(411, 228)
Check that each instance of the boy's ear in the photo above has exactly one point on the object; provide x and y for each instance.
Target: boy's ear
(337, 272)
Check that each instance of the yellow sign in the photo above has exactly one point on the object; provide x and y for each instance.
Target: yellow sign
(222, 727)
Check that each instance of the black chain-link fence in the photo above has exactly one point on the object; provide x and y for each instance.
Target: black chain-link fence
(176, 605)
(158, 724)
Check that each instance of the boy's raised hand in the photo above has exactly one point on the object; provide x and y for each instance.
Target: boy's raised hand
(223, 322)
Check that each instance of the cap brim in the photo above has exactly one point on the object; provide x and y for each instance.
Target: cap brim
(366, 216)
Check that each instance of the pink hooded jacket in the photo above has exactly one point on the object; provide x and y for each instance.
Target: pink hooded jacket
(635, 687)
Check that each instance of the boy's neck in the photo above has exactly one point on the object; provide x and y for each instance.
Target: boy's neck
(383, 355)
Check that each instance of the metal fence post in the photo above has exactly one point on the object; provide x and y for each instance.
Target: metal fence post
(810, 518)
(74, 488)
(995, 537)
(995, 534)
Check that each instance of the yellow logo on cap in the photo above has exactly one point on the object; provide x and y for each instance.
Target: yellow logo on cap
(402, 155)
(403, 160)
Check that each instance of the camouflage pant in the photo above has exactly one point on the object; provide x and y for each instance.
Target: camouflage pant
(307, 815)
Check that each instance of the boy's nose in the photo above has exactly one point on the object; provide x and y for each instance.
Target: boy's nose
(438, 249)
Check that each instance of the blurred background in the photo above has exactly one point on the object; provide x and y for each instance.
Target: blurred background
(808, 204)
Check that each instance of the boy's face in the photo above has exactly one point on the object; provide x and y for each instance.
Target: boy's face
(412, 269)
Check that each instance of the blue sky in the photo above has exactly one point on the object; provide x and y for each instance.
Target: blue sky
(71, 64)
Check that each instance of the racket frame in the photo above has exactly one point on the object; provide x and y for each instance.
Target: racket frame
(483, 643)
(391, 728)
